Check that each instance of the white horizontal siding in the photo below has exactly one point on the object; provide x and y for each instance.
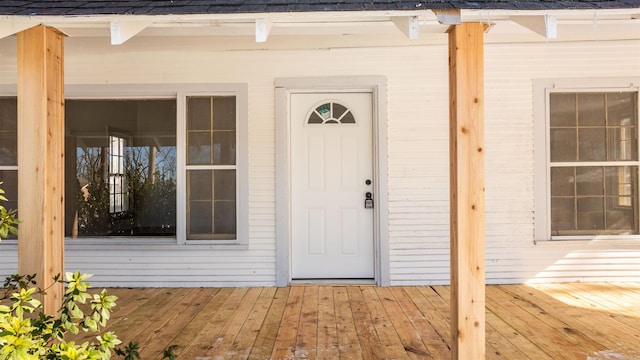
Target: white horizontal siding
(418, 156)
(419, 219)
(8, 259)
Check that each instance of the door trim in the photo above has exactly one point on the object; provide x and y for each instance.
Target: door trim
(376, 85)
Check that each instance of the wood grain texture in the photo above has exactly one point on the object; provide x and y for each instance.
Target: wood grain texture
(551, 321)
(41, 160)
(466, 153)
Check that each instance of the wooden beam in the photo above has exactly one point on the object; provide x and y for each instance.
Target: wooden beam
(121, 31)
(263, 28)
(409, 25)
(11, 27)
(545, 25)
(41, 160)
(466, 141)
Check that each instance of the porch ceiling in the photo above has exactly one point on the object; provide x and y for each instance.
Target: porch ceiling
(506, 25)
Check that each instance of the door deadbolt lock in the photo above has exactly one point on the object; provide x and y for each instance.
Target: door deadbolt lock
(368, 200)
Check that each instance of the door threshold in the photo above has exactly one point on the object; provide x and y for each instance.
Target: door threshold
(332, 282)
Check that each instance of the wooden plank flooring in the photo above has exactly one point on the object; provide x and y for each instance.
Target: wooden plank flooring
(550, 321)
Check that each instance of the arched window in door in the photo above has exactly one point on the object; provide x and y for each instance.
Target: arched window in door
(331, 113)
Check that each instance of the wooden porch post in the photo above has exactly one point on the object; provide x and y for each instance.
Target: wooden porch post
(466, 142)
(41, 159)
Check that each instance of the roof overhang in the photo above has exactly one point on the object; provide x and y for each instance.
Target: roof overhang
(506, 24)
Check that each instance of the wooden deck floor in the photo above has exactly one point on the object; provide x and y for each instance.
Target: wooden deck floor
(559, 321)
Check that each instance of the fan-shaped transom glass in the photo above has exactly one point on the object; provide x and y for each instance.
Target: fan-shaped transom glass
(331, 113)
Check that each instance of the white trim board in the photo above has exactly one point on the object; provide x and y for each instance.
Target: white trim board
(284, 87)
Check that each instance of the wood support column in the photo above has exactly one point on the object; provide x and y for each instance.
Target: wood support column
(41, 159)
(466, 142)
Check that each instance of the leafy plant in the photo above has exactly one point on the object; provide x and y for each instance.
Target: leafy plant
(169, 354)
(8, 219)
(130, 352)
(23, 335)
(17, 281)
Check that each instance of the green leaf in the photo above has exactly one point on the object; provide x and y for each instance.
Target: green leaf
(91, 324)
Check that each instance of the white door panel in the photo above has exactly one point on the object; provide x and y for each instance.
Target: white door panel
(331, 162)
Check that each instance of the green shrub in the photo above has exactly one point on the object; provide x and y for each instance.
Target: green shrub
(25, 336)
(8, 219)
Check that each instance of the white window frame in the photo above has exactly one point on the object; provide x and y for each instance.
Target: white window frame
(177, 92)
(118, 173)
(542, 88)
(241, 166)
(9, 91)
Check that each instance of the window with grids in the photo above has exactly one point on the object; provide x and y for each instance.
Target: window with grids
(211, 168)
(9, 152)
(593, 162)
(118, 192)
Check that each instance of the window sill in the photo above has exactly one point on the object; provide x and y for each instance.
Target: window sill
(145, 242)
(599, 242)
(140, 243)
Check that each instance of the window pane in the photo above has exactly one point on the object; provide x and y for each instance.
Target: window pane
(590, 213)
(563, 181)
(224, 113)
(562, 214)
(591, 110)
(225, 185)
(225, 219)
(199, 113)
(224, 148)
(621, 214)
(563, 145)
(589, 181)
(120, 167)
(199, 148)
(8, 113)
(562, 109)
(209, 218)
(9, 180)
(200, 216)
(315, 119)
(200, 184)
(348, 118)
(622, 143)
(200, 211)
(622, 120)
(8, 132)
(621, 180)
(8, 148)
(592, 144)
(622, 109)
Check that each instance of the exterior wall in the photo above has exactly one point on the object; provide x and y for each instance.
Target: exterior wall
(417, 146)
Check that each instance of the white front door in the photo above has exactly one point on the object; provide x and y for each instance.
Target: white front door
(331, 177)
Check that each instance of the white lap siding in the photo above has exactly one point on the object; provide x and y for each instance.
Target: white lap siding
(418, 154)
